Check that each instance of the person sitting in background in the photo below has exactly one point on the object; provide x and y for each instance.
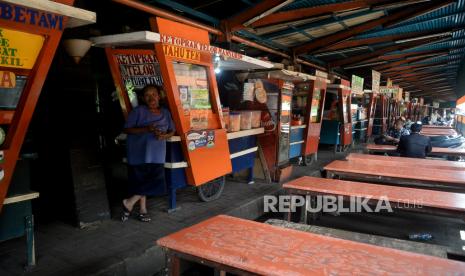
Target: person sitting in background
(426, 120)
(414, 145)
(393, 135)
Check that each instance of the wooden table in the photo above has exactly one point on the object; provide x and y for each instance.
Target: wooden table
(372, 148)
(438, 132)
(406, 162)
(415, 176)
(435, 202)
(440, 127)
(247, 247)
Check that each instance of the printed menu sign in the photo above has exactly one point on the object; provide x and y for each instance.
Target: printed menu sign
(139, 70)
(19, 49)
(375, 80)
(357, 84)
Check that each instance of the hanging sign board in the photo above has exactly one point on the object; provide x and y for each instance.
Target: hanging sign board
(357, 84)
(407, 96)
(388, 90)
(389, 82)
(7, 79)
(375, 80)
(17, 54)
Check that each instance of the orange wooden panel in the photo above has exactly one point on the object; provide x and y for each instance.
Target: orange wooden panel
(405, 161)
(205, 163)
(270, 250)
(6, 116)
(444, 176)
(438, 131)
(427, 198)
(435, 150)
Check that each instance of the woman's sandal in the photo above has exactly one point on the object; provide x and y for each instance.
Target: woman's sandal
(144, 217)
(126, 214)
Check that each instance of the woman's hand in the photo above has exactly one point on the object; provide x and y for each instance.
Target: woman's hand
(164, 135)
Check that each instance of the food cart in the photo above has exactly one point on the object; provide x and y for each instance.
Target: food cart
(30, 35)
(380, 124)
(336, 128)
(184, 61)
(394, 111)
(307, 111)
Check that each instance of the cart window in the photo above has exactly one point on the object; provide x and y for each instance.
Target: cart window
(194, 93)
(9, 97)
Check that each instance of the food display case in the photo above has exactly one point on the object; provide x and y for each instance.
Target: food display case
(336, 128)
(202, 152)
(380, 124)
(307, 111)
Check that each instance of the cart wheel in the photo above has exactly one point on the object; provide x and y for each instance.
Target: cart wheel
(211, 190)
(308, 160)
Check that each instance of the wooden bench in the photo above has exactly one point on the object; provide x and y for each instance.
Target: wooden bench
(246, 247)
(373, 148)
(408, 162)
(436, 202)
(440, 179)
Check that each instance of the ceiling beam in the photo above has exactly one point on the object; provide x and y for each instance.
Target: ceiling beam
(373, 40)
(331, 39)
(298, 14)
(408, 61)
(379, 52)
(239, 21)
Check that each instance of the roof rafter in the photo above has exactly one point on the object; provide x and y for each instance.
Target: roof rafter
(303, 13)
(380, 52)
(239, 21)
(331, 39)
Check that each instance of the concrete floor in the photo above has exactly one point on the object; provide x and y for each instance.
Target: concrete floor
(115, 248)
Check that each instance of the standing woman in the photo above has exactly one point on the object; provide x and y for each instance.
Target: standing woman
(148, 126)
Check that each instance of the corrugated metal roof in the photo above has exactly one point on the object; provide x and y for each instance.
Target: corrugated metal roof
(300, 4)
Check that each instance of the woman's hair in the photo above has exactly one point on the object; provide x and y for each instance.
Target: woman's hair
(140, 93)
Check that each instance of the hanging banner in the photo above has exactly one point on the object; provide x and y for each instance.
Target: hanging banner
(357, 84)
(375, 80)
(388, 90)
(407, 96)
(15, 53)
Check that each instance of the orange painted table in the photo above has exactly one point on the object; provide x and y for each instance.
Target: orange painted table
(440, 127)
(247, 247)
(428, 177)
(437, 202)
(406, 162)
(435, 150)
(438, 132)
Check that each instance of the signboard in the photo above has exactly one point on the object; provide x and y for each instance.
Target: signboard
(388, 90)
(375, 80)
(30, 16)
(7, 79)
(139, 70)
(357, 84)
(389, 82)
(407, 96)
(17, 54)
(180, 52)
